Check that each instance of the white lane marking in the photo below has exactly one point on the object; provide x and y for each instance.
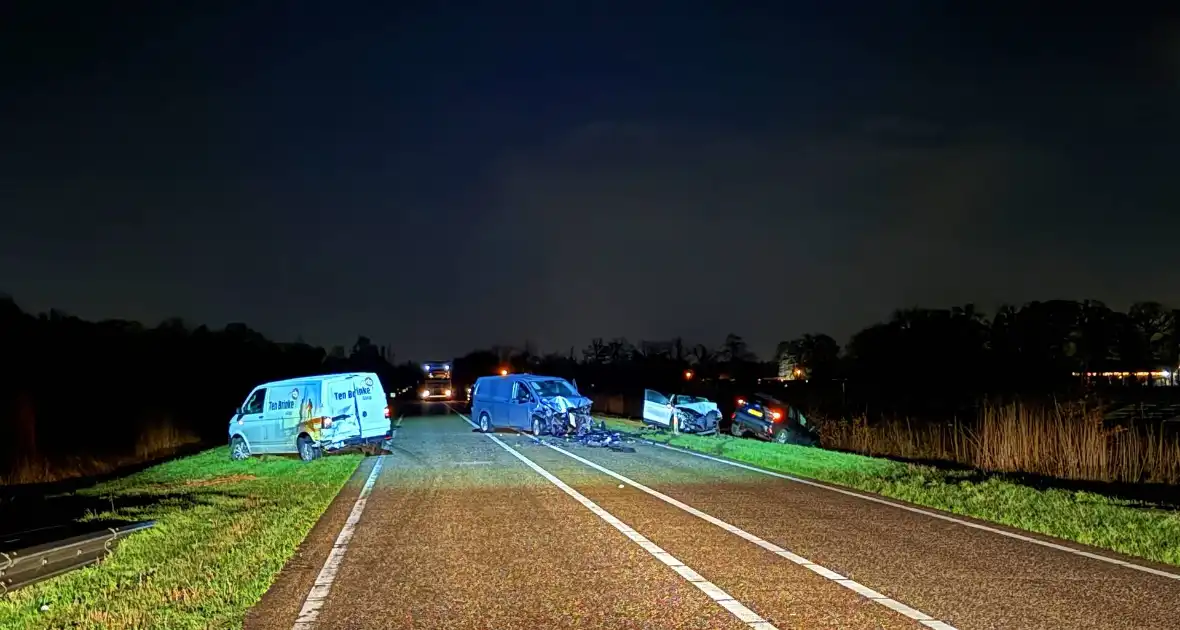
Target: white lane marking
(943, 517)
(723, 599)
(323, 582)
(851, 585)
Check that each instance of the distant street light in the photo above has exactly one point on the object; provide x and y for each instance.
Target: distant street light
(503, 372)
(688, 375)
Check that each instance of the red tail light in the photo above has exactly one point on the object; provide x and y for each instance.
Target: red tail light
(386, 411)
(776, 414)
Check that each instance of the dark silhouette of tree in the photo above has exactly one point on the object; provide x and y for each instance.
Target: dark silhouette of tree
(1096, 337)
(64, 371)
(619, 351)
(702, 357)
(596, 352)
(1155, 324)
(816, 356)
(116, 389)
(473, 365)
(734, 350)
(364, 350)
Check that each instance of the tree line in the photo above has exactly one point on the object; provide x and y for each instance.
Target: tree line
(81, 387)
(919, 360)
(1037, 344)
(1038, 341)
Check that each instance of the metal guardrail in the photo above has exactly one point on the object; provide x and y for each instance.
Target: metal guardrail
(41, 562)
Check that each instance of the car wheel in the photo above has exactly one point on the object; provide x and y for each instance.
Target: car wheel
(712, 420)
(238, 449)
(782, 437)
(485, 422)
(735, 429)
(537, 428)
(307, 449)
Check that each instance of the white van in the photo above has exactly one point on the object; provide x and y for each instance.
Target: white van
(311, 415)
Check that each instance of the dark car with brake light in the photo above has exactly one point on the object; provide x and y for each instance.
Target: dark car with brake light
(768, 418)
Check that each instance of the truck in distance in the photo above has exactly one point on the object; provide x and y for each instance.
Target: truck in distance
(437, 383)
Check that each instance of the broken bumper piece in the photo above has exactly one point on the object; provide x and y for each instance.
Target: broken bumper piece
(381, 441)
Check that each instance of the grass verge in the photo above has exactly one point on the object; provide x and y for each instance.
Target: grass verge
(223, 531)
(1128, 527)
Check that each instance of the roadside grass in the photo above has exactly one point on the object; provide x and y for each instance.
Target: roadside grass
(1129, 527)
(223, 531)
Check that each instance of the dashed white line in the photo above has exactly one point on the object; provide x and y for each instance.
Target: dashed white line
(310, 611)
(859, 589)
(851, 585)
(723, 599)
(943, 517)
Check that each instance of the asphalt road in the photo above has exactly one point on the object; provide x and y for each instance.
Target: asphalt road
(462, 530)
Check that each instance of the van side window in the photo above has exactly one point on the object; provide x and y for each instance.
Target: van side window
(522, 394)
(254, 405)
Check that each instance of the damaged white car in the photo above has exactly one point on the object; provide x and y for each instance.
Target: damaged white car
(693, 414)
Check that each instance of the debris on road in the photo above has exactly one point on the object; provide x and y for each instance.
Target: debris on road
(586, 432)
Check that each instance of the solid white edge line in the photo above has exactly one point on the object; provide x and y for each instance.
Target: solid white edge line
(822, 571)
(943, 517)
(323, 582)
(723, 599)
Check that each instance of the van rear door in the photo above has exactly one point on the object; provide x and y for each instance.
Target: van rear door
(341, 408)
(370, 405)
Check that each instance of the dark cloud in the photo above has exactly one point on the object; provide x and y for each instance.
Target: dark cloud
(650, 230)
(441, 181)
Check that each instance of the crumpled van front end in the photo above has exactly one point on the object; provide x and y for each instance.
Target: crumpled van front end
(563, 414)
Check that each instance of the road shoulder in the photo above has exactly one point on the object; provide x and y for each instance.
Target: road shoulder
(279, 607)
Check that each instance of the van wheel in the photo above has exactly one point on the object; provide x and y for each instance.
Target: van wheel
(307, 450)
(238, 449)
(485, 422)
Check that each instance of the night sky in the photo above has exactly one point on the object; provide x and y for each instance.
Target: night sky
(441, 179)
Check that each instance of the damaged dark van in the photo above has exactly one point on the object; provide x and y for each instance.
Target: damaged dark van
(541, 405)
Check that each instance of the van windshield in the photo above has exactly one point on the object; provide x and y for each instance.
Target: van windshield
(554, 387)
